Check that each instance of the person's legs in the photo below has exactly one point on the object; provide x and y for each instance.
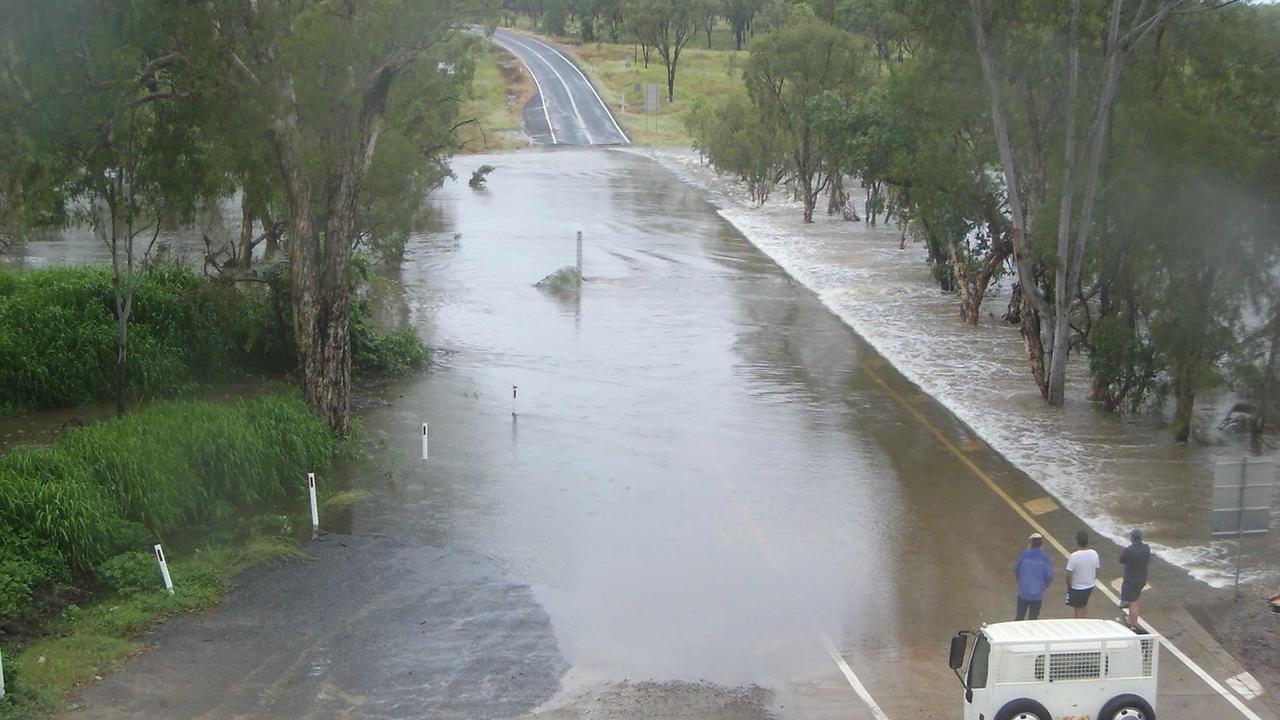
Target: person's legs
(1134, 616)
(1022, 609)
(1034, 609)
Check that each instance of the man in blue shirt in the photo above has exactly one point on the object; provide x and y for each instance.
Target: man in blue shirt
(1034, 572)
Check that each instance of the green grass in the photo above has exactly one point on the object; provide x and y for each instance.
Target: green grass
(100, 637)
(707, 75)
(498, 125)
(615, 69)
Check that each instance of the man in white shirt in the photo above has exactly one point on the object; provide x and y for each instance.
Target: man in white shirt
(1082, 573)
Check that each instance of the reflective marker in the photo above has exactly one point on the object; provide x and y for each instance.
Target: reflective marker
(164, 569)
(424, 441)
(315, 511)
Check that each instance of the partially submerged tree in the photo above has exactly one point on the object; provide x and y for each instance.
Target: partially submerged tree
(788, 71)
(320, 78)
(1074, 124)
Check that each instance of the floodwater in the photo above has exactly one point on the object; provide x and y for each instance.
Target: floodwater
(705, 476)
(1116, 473)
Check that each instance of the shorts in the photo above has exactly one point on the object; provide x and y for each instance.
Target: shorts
(1131, 590)
(1078, 598)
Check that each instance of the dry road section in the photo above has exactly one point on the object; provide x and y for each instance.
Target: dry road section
(566, 110)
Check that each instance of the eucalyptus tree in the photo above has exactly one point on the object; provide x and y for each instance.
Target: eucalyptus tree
(1020, 51)
(740, 13)
(321, 81)
(106, 137)
(789, 69)
(667, 26)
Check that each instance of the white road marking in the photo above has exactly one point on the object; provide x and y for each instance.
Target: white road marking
(1245, 684)
(854, 682)
(1191, 665)
(772, 560)
(574, 65)
(543, 98)
(572, 103)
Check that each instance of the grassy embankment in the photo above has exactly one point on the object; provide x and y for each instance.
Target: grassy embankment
(499, 90)
(78, 518)
(705, 75)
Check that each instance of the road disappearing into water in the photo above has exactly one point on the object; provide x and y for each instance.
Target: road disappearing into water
(713, 500)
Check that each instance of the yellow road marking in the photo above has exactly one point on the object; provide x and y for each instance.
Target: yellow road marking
(1022, 512)
(1042, 505)
(972, 445)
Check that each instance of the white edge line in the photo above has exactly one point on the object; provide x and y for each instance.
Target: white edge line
(854, 682)
(568, 91)
(541, 95)
(607, 111)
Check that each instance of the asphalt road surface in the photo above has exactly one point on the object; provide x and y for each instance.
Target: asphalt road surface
(566, 110)
(709, 499)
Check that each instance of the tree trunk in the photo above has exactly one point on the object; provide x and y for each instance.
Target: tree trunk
(246, 234)
(1184, 391)
(1030, 328)
(122, 347)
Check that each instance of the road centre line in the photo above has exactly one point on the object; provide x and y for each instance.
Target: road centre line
(572, 103)
(951, 446)
(542, 97)
(572, 64)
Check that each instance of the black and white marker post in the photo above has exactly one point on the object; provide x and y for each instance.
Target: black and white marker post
(164, 570)
(424, 441)
(1, 676)
(513, 401)
(315, 510)
(579, 256)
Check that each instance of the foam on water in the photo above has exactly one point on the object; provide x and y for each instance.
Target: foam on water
(1114, 473)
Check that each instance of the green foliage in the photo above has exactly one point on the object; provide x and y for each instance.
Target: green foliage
(57, 334)
(738, 142)
(480, 176)
(26, 567)
(129, 573)
(164, 467)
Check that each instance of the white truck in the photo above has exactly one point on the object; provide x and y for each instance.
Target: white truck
(1057, 670)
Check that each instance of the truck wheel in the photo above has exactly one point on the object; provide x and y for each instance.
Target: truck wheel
(1022, 709)
(1127, 707)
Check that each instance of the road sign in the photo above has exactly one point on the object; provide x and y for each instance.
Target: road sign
(1242, 492)
(651, 97)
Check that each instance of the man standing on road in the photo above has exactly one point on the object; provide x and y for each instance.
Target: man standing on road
(1082, 573)
(1033, 572)
(1135, 559)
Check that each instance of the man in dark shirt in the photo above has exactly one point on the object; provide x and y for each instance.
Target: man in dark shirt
(1135, 559)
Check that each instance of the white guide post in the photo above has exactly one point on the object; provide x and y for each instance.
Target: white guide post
(579, 254)
(424, 441)
(164, 569)
(513, 401)
(315, 511)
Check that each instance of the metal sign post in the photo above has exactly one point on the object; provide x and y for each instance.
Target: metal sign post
(1242, 491)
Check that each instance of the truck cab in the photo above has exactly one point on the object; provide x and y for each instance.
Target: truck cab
(1056, 670)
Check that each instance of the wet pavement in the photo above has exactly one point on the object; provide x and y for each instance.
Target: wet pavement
(566, 109)
(708, 495)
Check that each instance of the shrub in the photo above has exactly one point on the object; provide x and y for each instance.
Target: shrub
(130, 572)
(26, 566)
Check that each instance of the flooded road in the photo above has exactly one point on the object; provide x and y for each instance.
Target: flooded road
(709, 498)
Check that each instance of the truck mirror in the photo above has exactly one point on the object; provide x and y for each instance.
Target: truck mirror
(958, 644)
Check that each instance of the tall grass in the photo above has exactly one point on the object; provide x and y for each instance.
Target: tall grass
(58, 335)
(101, 488)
